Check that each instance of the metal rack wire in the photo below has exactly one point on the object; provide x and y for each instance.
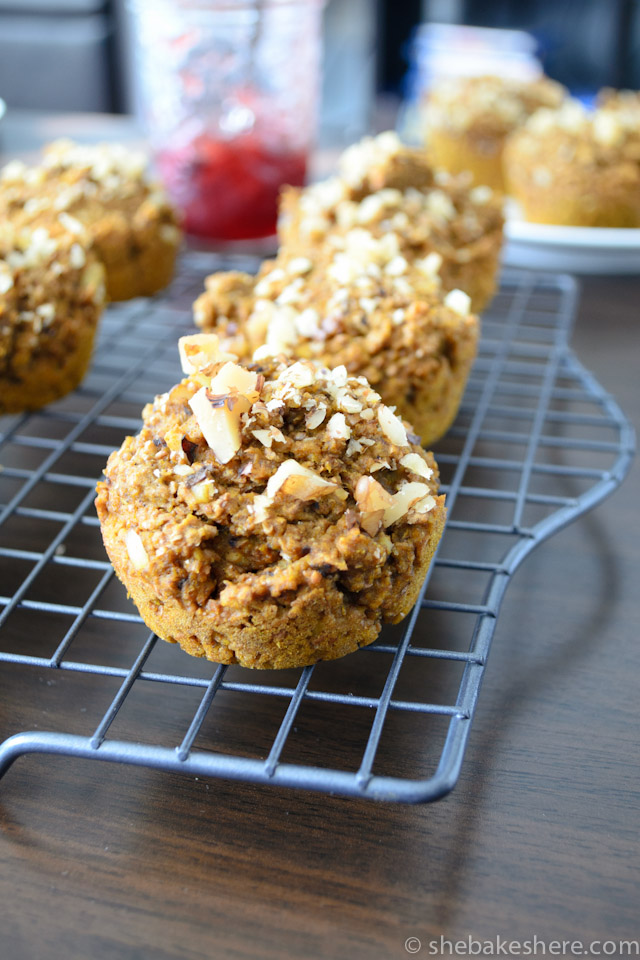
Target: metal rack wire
(537, 442)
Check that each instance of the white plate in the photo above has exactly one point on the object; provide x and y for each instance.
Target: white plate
(541, 246)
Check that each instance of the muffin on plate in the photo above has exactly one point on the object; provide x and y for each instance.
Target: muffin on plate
(625, 106)
(444, 215)
(271, 515)
(468, 119)
(618, 100)
(51, 297)
(103, 189)
(576, 168)
(362, 305)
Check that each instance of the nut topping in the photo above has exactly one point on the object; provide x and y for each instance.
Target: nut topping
(219, 420)
(392, 426)
(233, 377)
(409, 496)
(415, 463)
(268, 436)
(373, 500)
(459, 302)
(293, 480)
(135, 548)
(316, 417)
(199, 350)
(338, 428)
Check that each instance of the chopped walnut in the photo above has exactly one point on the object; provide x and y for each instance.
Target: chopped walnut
(234, 377)
(338, 428)
(199, 350)
(268, 436)
(294, 480)
(219, 420)
(373, 501)
(415, 463)
(459, 302)
(410, 495)
(316, 417)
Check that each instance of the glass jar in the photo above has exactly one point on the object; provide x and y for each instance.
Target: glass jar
(227, 91)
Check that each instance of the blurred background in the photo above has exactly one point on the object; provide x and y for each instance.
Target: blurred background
(75, 55)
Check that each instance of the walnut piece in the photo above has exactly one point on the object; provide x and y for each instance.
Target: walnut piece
(338, 428)
(409, 496)
(268, 436)
(459, 302)
(234, 377)
(219, 421)
(392, 426)
(199, 350)
(415, 463)
(373, 501)
(316, 417)
(293, 480)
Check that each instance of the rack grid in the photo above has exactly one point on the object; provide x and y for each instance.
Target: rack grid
(536, 443)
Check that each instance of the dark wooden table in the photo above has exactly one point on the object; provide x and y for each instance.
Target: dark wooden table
(540, 837)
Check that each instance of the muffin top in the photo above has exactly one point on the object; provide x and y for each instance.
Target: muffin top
(382, 161)
(449, 216)
(361, 304)
(271, 469)
(488, 106)
(45, 274)
(618, 100)
(572, 135)
(386, 187)
(82, 185)
(39, 266)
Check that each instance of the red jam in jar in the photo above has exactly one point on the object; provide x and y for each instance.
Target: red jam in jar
(228, 190)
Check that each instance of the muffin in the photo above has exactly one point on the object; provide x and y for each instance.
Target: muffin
(272, 515)
(461, 224)
(104, 189)
(468, 119)
(364, 306)
(51, 297)
(383, 161)
(576, 168)
(618, 100)
(373, 164)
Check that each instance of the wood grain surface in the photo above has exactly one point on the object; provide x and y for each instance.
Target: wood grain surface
(540, 837)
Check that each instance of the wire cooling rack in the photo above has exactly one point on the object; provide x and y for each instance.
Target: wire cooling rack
(537, 442)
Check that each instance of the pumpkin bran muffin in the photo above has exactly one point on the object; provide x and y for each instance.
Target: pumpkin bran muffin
(104, 189)
(51, 297)
(619, 101)
(272, 515)
(391, 187)
(468, 119)
(576, 168)
(625, 106)
(462, 225)
(374, 163)
(364, 306)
